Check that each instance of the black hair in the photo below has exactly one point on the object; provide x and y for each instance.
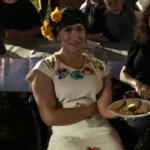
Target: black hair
(71, 16)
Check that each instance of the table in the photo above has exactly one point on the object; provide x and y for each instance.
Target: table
(22, 55)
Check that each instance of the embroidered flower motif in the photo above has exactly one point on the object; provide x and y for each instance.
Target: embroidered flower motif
(122, 146)
(56, 15)
(88, 71)
(99, 66)
(62, 73)
(76, 75)
(80, 105)
(93, 148)
(52, 64)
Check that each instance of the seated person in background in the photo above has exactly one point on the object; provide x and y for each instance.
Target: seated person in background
(43, 7)
(19, 18)
(57, 3)
(94, 9)
(120, 19)
(72, 89)
(136, 71)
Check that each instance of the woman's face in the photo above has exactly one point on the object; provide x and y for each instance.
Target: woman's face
(72, 37)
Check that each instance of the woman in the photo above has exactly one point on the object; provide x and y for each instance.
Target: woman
(136, 71)
(72, 90)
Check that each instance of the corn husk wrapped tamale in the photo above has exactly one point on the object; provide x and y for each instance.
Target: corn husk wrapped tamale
(143, 108)
(117, 106)
(133, 104)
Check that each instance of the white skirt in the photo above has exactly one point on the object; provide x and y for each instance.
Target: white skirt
(102, 137)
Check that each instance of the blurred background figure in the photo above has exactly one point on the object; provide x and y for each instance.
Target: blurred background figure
(57, 3)
(120, 19)
(136, 71)
(19, 18)
(94, 9)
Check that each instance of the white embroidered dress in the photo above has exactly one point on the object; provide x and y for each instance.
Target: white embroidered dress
(78, 88)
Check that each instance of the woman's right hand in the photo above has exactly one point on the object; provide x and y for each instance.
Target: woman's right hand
(95, 113)
(143, 90)
(98, 37)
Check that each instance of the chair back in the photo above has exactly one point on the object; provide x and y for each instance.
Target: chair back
(41, 127)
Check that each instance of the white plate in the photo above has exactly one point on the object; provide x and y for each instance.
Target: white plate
(132, 116)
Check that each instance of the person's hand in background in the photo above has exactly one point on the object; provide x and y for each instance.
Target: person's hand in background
(143, 90)
(12, 34)
(98, 37)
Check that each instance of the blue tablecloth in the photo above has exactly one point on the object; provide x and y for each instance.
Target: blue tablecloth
(22, 55)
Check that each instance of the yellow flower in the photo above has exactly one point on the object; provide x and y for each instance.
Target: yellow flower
(51, 36)
(46, 23)
(56, 15)
(44, 31)
(97, 65)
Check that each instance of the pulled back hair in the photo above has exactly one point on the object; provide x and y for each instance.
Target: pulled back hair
(71, 16)
(142, 29)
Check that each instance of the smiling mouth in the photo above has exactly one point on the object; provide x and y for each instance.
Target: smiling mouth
(75, 43)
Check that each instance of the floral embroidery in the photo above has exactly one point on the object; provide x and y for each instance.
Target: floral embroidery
(93, 148)
(52, 64)
(76, 75)
(99, 66)
(122, 146)
(62, 73)
(88, 71)
(80, 105)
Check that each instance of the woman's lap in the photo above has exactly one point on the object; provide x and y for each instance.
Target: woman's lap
(104, 139)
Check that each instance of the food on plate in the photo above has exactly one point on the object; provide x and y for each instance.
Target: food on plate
(125, 111)
(130, 107)
(133, 104)
(117, 106)
(142, 109)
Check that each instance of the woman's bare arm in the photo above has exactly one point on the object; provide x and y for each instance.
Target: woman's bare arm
(43, 90)
(126, 76)
(142, 89)
(13, 34)
(105, 99)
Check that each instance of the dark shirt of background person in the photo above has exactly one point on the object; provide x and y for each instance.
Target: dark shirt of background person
(20, 15)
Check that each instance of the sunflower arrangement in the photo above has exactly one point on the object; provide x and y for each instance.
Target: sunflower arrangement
(54, 18)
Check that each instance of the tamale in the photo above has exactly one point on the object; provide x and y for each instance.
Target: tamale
(125, 111)
(117, 106)
(143, 108)
(133, 104)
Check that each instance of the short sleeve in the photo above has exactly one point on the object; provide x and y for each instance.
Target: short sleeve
(129, 62)
(44, 66)
(101, 67)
